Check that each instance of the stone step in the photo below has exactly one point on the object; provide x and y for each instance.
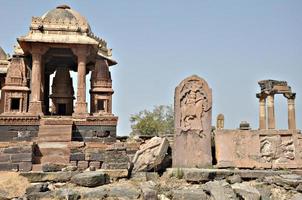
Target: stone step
(55, 133)
(54, 152)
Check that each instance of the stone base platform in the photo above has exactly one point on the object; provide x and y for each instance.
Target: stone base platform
(260, 149)
(204, 175)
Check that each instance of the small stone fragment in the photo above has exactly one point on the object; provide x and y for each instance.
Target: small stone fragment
(90, 179)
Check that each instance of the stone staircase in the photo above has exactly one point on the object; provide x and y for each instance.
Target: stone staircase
(53, 143)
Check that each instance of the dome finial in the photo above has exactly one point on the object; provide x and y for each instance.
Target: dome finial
(64, 6)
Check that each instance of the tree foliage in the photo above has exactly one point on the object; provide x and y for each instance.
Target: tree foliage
(159, 121)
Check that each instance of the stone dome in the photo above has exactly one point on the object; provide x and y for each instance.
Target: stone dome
(3, 55)
(64, 12)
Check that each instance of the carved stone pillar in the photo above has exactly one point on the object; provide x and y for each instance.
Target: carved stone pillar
(262, 111)
(35, 106)
(271, 112)
(291, 111)
(193, 126)
(81, 104)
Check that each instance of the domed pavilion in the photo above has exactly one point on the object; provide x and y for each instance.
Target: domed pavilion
(37, 94)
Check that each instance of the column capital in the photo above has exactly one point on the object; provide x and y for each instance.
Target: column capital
(261, 95)
(37, 49)
(290, 95)
(80, 50)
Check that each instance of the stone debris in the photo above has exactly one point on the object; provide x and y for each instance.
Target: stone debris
(150, 155)
(220, 190)
(52, 167)
(246, 191)
(90, 179)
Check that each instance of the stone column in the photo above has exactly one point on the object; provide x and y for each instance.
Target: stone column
(262, 111)
(81, 104)
(35, 106)
(271, 112)
(291, 111)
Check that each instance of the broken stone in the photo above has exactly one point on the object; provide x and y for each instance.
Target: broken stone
(150, 155)
(220, 190)
(34, 177)
(188, 193)
(38, 187)
(90, 179)
(52, 167)
(70, 168)
(234, 179)
(246, 191)
(148, 190)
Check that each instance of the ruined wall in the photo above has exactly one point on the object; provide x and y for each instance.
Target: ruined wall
(16, 156)
(101, 155)
(258, 148)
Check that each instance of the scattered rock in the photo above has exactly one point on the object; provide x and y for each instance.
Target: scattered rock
(296, 197)
(37, 187)
(52, 167)
(192, 194)
(245, 191)
(151, 155)
(149, 190)
(69, 169)
(125, 191)
(90, 169)
(234, 179)
(90, 179)
(35, 177)
(220, 190)
(286, 180)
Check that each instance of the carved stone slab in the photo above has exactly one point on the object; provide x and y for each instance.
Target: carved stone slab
(258, 148)
(193, 113)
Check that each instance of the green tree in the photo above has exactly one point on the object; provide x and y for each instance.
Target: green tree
(159, 121)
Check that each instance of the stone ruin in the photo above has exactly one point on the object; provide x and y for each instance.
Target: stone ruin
(52, 134)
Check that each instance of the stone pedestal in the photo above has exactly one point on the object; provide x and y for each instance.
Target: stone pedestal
(193, 113)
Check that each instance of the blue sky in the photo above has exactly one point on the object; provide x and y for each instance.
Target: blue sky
(232, 44)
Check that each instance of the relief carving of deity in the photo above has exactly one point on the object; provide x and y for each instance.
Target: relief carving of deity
(193, 105)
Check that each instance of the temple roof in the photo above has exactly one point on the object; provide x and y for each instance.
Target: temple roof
(65, 13)
(64, 25)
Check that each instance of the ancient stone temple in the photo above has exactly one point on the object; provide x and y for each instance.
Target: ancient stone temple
(46, 112)
(266, 147)
(193, 113)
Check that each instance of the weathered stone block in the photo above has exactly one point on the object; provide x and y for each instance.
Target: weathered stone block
(115, 166)
(77, 156)
(35, 177)
(90, 179)
(96, 156)
(52, 167)
(83, 164)
(8, 167)
(95, 164)
(150, 155)
(18, 149)
(20, 157)
(73, 163)
(25, 166)
(4, 158)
